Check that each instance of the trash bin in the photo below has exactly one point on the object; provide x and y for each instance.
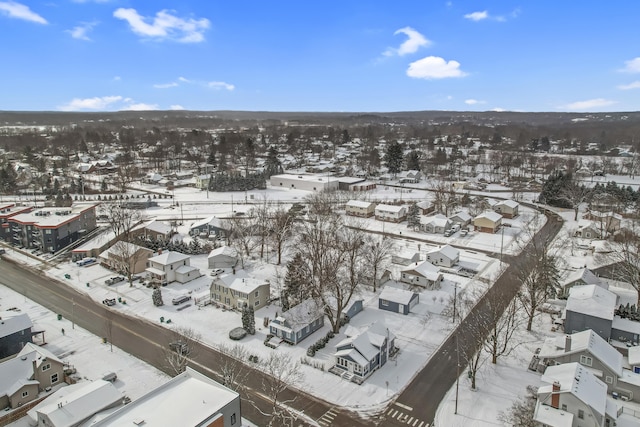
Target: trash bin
(67, 276)
(162, 319)
(59, 316)
(104, 340)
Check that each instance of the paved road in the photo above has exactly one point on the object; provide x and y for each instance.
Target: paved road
(147, 341)
(417, 404)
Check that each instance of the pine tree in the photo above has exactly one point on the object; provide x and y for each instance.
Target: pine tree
(252, 320)
(295, 283)
(413, 216)
(156, 297)
(393, 157)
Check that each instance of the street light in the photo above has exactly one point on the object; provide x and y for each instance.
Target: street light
(455, 298)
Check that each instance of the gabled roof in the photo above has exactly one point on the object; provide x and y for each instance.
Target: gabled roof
(169, 257)
(580, 382)
(246, 285)
(389, 208)
(360, 204)
(223, 250)
(301, 315)
(438, 220)
(447, 250)
(508, 203)
(592, 300)
(584, 341)
(585, 275)
(11, 322)
(400, 296)
(462, 215)
(490, 215)
(211, 221)
(365, 346)
(424, 269)
(18, 371)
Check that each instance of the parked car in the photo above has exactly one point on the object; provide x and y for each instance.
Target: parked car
(448, 233)
(464, 232)
(114, 280)
(109, 301)
(181, 299)
(86, 261)
(217, 271)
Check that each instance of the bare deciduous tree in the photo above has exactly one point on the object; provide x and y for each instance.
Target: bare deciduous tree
(281, 372)
(121, 219)
(502, 323)
(180, 349)
(281, 226)
(234, 369)
(522, 410)
(625, 254)
(377, 255)
(125, 257)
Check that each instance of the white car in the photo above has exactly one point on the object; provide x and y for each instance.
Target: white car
(217, 271)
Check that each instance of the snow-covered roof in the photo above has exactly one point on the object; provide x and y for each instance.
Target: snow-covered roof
(186, 400)
(490, 215)
(389, 208)
(11, 322)
(586, 276)
(246, 285)
(16, 372)
(580, 382)
(626, 325)
(634, 355)
(592, 300)
(508, 203)
(400, 296)
(462, 215)
(491, 202)
(97, 242)
(550, 416)
(447, 250)
(184, 269)
(72, 404)
(158, 227)
(168, 258)
(359, 204)
(438, 220)
(122, 248)
(425, 269)
(211, 221)
(223, 250)
(584, 341)
(302, 314)
(365, 345)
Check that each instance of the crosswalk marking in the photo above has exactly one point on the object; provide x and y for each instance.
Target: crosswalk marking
(327, 418)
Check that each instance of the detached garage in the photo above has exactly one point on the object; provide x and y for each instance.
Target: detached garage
(397, 300)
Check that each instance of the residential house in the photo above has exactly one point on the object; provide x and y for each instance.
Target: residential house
(426, 207)
(409, 177)
(507, 208)
(397, 300)
(405, 257)
(422, 274)
(202, 181)
(223, 257)
(487, 222)
(152, 178)
(189, 399)
(360, 208)
(355, 306)
(358, 356)
(446, 256)
(153, 230)
(488, 203)
(580, 277)
(124, 256)
(15, 332)
(606, 222)
(52, 229)
(572, 396)
(208, 227)
(31, 371)
(72, 405)
(171, 266)
(236, 290)
(436, 224)
(590, 307)
(95, 246)
(390, 213)
(587, 229)
(298, 322)
(462, 218)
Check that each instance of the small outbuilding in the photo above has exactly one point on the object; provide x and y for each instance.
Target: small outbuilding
(223, 257)
(397, 300)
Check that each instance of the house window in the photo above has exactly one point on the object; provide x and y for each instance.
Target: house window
(581, 414)
(384, 302)
(608, 379)
(257, 294)
(25, 393)
(46, 367)
(233, 418)
(54, 378)
(564, 407)
(47, 231)
(257, 303)
(586, 360)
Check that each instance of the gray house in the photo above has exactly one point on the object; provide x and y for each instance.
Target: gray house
(298, 322)
(446, 256)
(462, 218)
(397, 300)
(422, 274)
(15, 332)
(358, 356)
(210, 226)
(354, 307)
(590, 307)
(581, 277)
(436, 224)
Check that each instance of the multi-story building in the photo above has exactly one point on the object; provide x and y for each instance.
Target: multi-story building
(51, 229)
(7, 210)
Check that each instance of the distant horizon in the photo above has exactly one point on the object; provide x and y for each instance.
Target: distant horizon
(287, 56)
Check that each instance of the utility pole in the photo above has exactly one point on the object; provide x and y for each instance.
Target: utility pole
(73, 313)
(455, 298)
(501, 244)
(457, 373)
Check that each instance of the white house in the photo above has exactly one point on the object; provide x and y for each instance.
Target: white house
(170, 267)
(422, 274)
(463, 218)
(446, 256)
(223, 257)
(390, 213)
(436, 224)
(360, 208)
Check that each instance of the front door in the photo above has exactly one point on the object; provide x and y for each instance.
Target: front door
(400, 308)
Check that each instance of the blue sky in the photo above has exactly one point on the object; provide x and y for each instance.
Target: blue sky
(344, 55)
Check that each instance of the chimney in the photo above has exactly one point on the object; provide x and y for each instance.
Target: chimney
(567, 343)
(555, 395)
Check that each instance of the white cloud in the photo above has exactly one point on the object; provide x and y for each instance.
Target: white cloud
(176, 107)
(220, 85)
(411, 45)
(632, 66)
(477, 16)
(588, 104)
(182, 79)
(141, 107)
(96, 103)
(165, 85)
(633, 85)
(473, 102)
(80, 32)
(434, 67)
(20, 11)
(164, 25)
(117, 78)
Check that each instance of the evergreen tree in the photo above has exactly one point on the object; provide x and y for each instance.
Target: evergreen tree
(252, 320)
(413, 160)
(212, 157)
(413, 216)
(273, 165)
(295, 283)
(393, 157)
(156, 297)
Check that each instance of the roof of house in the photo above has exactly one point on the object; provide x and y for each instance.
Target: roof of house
(186, 400)
(584, 341)
(634, 355)
(462, 215)
(365, 346)
(585, 275)
(390, 208)
(184, 269)
(490, 215)
(246, 284)
(447, 250)
(425, 204)
(360, 204)
(491, 202)
(580, 382)
(299, 316)
(223, 250)
(508, 203)
(211, 221)
(550, 416)
(438, 220)
(123, 249)
(17, 371)
(400, 296)
(169, 257)
(72, 404)
(158, 227)
(425, 269)
(592, 300)
(12, 322)
(97, 242)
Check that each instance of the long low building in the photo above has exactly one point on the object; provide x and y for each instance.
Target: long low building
(305, 182)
